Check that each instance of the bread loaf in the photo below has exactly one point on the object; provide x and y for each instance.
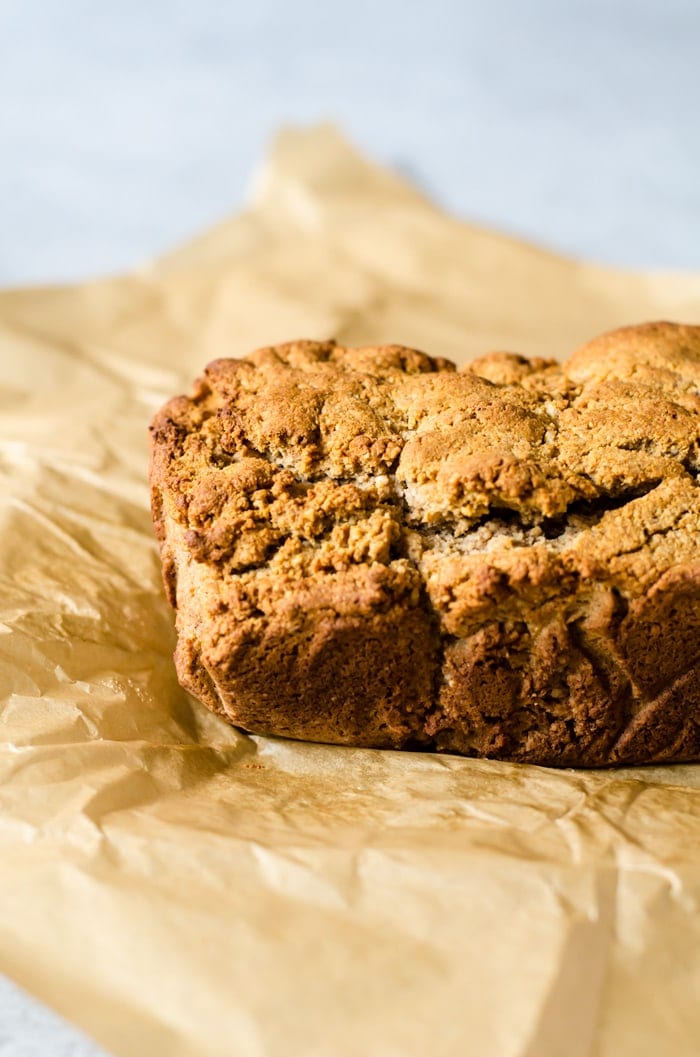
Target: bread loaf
(371, 547)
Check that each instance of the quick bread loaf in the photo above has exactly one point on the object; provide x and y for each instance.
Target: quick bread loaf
(371, 547)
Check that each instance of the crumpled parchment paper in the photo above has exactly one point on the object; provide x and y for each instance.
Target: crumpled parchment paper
(181, 890)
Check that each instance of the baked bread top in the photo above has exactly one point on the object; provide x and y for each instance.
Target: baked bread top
(307, 458)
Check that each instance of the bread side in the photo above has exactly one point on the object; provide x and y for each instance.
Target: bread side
(369, 547)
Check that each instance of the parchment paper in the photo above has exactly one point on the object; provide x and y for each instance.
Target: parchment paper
(179, 889)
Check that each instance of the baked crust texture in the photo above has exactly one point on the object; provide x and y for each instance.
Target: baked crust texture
(370, 547)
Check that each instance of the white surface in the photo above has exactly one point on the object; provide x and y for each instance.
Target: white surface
(126, 127)
(29, 1030)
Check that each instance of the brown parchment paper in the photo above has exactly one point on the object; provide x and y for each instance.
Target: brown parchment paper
(179, 889)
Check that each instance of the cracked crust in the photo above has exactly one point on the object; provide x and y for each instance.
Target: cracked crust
(370, 547)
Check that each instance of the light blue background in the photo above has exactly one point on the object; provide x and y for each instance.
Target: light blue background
(127, 126)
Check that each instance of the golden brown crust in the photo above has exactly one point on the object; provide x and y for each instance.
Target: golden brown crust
(369, 547)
